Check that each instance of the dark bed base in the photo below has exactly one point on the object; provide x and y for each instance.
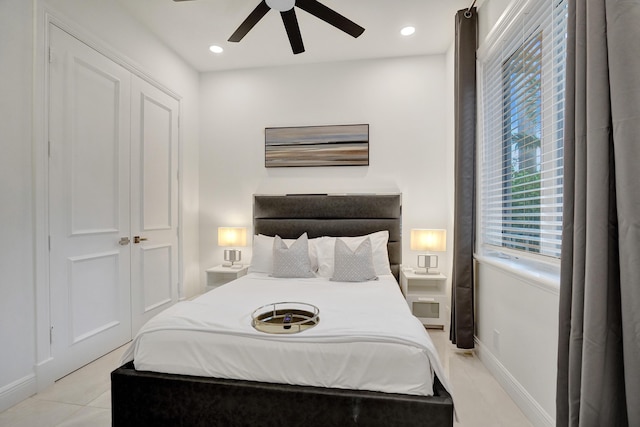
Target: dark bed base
(156, 399)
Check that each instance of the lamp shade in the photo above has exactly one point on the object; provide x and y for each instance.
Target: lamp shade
(232, 236)
(428, 240)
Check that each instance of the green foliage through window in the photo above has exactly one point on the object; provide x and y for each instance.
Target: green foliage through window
(522, 75)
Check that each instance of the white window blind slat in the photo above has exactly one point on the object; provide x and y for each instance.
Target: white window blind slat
(523, 119)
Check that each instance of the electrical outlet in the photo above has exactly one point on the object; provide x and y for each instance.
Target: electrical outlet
(496, 341)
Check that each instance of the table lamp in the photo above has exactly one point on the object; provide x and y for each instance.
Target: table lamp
(234, 237)
(428, 241)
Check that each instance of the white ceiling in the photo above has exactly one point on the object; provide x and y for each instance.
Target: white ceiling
(190, 27)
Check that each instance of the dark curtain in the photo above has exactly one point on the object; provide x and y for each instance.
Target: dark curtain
(599, 320)
(462, 311)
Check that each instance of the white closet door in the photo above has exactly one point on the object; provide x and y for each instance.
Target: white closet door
(89, 203)
(154, 198)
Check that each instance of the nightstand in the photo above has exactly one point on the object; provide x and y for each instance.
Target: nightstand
(426, 295)
(219, 275)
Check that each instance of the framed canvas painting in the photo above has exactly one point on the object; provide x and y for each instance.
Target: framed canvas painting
(334, 145)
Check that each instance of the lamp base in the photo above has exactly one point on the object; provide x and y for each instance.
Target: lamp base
(234, 266)
(429, 263)
(232, 256)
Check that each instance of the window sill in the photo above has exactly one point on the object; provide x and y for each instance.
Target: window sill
(535, 273)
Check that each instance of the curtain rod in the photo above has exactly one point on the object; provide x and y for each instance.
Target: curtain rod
(467, 13)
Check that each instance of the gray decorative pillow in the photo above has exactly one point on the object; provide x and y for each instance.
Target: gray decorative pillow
(353, 266)
(292, 261)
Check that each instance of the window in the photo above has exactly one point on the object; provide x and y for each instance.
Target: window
(523, 73)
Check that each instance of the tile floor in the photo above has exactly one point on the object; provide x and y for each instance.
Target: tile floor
(480, 400)
(83, 398)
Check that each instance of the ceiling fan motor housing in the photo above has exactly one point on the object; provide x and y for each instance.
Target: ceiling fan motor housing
(281, 5)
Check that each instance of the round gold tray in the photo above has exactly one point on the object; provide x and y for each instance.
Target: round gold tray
(285, 317)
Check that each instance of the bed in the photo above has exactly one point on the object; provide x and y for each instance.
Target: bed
(163, 394)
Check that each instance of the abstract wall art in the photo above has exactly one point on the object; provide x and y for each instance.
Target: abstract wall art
(333, 145)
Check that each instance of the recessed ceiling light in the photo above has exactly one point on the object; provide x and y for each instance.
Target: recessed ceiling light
(407, 31)
(216, 49)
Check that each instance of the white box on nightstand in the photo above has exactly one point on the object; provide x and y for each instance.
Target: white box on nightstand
(426, 295)
(219, 275)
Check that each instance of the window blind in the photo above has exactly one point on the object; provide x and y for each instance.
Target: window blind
(522, 81)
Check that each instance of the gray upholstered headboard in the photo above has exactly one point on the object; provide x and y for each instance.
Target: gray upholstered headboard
(332, 215)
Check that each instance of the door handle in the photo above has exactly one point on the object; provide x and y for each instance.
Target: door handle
(124, 241)
(138, 239)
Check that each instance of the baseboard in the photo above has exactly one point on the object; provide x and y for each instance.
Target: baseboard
(17, 391)
(527, 404)
(44, 374)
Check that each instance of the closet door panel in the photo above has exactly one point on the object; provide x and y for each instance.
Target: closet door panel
(154, 151)
(89, 203)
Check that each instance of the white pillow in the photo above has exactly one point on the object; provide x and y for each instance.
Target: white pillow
(262, 253)
(291, 261)
(326, 252)
(353, 266)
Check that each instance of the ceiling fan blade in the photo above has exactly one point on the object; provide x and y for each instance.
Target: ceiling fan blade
(330, 16)
(253, 18)
(293, 30)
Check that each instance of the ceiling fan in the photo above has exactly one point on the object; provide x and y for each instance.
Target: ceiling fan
(286, 9)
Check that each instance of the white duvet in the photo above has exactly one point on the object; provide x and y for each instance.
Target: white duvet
(366, 339)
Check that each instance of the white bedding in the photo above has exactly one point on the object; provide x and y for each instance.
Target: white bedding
(366, 339)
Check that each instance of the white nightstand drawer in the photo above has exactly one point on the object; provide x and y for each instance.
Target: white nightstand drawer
(430, 309)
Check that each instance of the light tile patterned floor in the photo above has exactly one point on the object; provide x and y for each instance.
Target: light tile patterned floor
(83, 398)
(480, 400)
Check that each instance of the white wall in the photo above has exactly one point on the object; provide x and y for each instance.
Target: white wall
(517, 312)
(517, 324)
(490, 12)
(403, 100)
(450, 141)
(17, 315)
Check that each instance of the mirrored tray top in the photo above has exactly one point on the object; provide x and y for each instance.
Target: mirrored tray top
(285, 317)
